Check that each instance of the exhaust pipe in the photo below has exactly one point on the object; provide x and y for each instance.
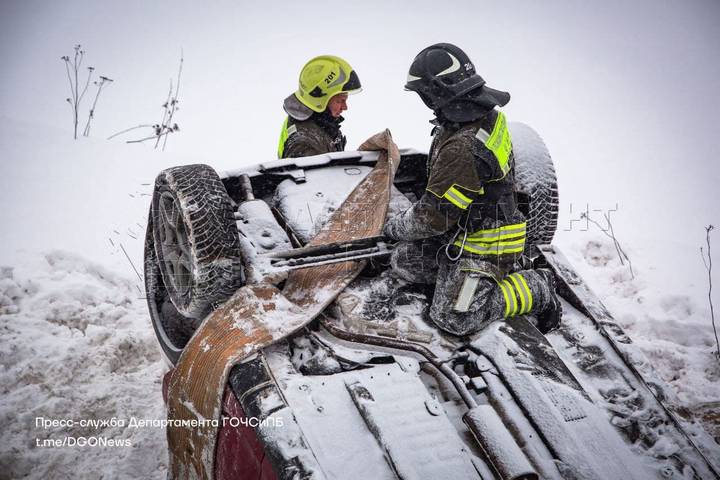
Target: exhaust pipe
(490, 432)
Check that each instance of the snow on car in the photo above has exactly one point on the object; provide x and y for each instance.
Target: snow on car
(372, 388)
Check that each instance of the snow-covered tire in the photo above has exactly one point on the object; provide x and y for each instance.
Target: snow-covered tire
(536, 181)
(196, 241)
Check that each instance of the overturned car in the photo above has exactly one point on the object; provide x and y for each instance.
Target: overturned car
(371, 388)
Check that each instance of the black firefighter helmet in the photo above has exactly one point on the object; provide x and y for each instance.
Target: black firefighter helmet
(445, 78)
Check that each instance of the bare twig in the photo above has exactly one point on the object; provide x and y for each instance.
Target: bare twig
(166, 110)
(140, 140)
(611, 234)
(67, 69)
(91, 114)
(708, 267)
(166, 126)
(128, 130)
(621, 254)
(131, 262)
(618, 248)
(87, 84)
(77, 98)
(72, 100)
(175, 99)
(72, 68)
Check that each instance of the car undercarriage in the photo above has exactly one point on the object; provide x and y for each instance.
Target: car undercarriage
(371, 388)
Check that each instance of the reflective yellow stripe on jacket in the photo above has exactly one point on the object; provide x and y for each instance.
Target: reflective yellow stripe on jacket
(498, 142)
(457, 198)
(495, 241)
(285, 132)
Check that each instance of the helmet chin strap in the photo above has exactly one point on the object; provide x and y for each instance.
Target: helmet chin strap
(469, 114)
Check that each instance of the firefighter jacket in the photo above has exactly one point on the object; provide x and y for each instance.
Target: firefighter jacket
(317, 135)
(470, 199)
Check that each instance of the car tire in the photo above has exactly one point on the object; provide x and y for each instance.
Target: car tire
(536, 183)
(196, 242)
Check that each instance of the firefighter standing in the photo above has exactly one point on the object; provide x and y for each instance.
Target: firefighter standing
(312, 125)
(466, 227)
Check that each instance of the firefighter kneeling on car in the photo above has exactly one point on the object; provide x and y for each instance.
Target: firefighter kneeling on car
(466, 232)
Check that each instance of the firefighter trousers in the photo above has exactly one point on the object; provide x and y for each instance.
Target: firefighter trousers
(471, 292)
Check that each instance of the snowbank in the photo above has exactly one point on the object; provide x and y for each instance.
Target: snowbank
(77, 345)
(670, 324)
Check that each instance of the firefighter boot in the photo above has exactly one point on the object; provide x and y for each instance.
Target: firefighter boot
(532, 292)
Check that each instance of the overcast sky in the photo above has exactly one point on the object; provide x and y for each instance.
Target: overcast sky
(626, 94)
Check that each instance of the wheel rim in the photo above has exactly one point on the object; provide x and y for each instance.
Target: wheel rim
(173, 330)
(175, 245)
(163, 326)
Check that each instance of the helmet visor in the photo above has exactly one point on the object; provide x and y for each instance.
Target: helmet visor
(353, 83)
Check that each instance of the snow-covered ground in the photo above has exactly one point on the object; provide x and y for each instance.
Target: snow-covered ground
(75, 339)
(627, 104)
(672, 327)
(76, 344)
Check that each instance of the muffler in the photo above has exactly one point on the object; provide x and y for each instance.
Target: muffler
(505, 454)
